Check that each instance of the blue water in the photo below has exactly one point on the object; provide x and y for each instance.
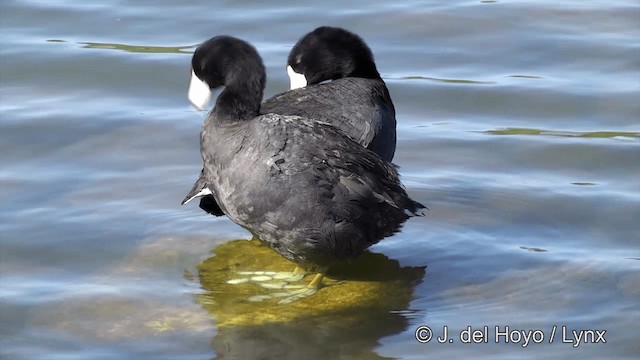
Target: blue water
(518, 126)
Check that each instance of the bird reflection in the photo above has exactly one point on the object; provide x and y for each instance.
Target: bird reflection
(363, 302)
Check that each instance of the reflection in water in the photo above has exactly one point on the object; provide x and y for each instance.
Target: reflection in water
(345, 319)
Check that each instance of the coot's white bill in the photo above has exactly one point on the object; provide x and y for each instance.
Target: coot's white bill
(297, 80)
(199, 92)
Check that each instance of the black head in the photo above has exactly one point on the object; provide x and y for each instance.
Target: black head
(330, 53)
(230, 62)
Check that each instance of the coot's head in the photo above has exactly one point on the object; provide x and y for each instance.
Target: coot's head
(329, 53)
(225, 61)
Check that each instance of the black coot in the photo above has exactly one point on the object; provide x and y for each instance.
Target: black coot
(356, 102)
(298, 184)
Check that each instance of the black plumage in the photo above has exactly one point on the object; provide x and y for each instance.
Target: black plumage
(357, 101)
(298, 184)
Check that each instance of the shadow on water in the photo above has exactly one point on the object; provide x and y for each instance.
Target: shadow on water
(363, 301)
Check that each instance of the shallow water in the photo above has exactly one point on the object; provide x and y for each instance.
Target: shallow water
(518, 125)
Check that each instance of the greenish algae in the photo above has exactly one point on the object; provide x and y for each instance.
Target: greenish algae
(363, 301)
(370, 283)
(533, 249)
(525, 76)
(449, 81)
(140, 48)
(592, 134)
(609, 134)
(514, 131)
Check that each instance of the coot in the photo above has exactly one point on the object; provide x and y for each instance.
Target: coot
(357, 100)
(298, 184)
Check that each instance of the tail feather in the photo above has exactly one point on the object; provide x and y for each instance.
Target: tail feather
(415, 208)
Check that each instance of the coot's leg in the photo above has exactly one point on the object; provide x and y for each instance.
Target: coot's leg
(316, 283)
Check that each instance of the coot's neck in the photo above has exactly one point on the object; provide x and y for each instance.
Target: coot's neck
(367, 71)
(239, 101)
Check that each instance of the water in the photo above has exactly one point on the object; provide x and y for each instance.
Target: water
(517, 126)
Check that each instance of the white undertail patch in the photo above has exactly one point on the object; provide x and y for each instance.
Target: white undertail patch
(203, 192)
